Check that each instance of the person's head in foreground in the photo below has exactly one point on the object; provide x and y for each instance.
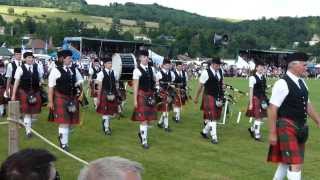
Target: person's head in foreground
(111, 168)
(29, 164)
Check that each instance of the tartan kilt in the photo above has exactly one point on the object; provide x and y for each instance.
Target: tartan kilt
(93, 89)
(164, 106)
(287, 150)
(60, 113)
(106, 107)
(179, 99)
(209, 108)
(256, 111)
(143, 112)
(25, 107)
(2, 98)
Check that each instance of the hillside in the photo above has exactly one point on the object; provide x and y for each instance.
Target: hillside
(42, 14)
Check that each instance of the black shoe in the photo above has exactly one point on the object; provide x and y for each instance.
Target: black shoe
(214, 141)
(140, 137)
(29, 135)
(205, 136)
(108, 132)
(167, 129)
(65, 147)
(160, 125)
(145, 146)
(251, 132)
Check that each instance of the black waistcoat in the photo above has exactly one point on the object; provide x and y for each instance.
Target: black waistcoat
(259, 89)
(294, 105)
(108, 82)
(213, 86)
(29, 81)
(146, 81)
(66, 83)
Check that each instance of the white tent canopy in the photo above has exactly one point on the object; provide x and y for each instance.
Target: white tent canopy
(156, 58)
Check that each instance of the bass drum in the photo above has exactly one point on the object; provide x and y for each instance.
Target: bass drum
(123, 66)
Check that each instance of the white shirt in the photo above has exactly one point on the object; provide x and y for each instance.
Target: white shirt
(19, 71)
(252, 80)
(100, 75)
(204, 77)
(280, 89)
(55, 74)
(10, 68)
(137, 73)
(91, 70)
(159, 75)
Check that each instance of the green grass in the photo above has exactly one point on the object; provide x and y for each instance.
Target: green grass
(180, 155)
(100, 22)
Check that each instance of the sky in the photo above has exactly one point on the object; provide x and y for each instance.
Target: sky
(235, 9)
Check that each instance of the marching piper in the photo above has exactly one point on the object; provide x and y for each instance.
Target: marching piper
(27, 89)
(143, 96)
(258, 102)
(107, 94)
(16, 61)
(93, 72)
(164, 79)
(287, 117)
(211, 89)
(181, 79)
(63, 100)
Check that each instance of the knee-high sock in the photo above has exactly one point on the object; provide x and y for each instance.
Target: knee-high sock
(64, 133)
(213, 126)
(292, 175)
(166, 120)
(95, 101)
(1, 109)
(163, 115)
(144, 133)
(27, 122)
(257, 124)
(206, 128)
(281, 172)
(106, 123)
(177, 111)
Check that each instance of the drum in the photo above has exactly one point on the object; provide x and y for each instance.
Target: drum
(123, 66)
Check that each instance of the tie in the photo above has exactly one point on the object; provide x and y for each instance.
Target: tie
(19, 63)
(30, 69)
(302, 86)
(68, 71)
(216, 74)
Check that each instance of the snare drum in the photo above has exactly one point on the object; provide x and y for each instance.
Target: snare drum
(123, 66)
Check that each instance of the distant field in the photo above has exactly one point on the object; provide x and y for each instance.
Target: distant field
(43, 13)
(179, 155)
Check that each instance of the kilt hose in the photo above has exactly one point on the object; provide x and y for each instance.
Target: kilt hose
(144, 112)
(27, 108)
(106, 107)
(256, 112)
(2, 98)
(93, 89)
(209, 108)
(164, 105)
(287, 150)
(180, 98)
(60, 112)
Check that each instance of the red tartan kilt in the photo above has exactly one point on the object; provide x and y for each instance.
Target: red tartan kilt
(144, 112)
(93, 90)
(256, 111)
(164, 106)
(60, 113)
(178, 100)
(287, 150)
(107, 107)
(2, 91)
(26, 108)
(208, 106)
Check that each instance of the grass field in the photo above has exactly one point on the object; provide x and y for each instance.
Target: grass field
(179, 155)
(43, 13)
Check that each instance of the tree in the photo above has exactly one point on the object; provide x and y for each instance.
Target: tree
(10, 11)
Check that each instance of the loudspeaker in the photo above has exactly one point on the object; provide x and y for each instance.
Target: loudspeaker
(220, 40)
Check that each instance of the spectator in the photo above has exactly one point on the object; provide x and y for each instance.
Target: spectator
(29, 164)
(111, 168)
